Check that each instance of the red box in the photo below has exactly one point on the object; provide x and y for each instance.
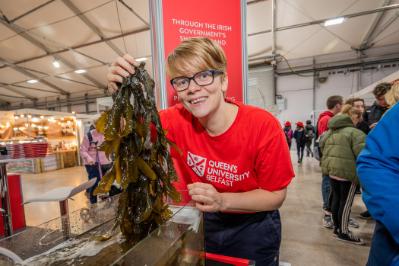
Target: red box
(16, 204)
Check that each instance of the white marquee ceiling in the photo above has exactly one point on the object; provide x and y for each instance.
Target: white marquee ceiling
(87, 35)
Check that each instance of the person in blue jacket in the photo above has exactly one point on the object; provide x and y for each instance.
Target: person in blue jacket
(378, 171)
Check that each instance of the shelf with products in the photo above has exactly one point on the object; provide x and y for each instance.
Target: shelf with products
(47, 140)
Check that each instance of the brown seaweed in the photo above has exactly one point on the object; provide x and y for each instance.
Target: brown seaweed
(142, 165)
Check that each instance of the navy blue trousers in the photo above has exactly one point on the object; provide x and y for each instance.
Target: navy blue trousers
(255, 236)
(92, 172)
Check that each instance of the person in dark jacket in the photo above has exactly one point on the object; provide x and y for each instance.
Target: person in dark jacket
(340, 146)
(310, 133)
(358, 103)
(300, 139)
(378, 169)
(375, 112)
(288, 133)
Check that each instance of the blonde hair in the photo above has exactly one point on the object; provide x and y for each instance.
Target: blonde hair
(392, 96)
(202, 53)
(348, 109)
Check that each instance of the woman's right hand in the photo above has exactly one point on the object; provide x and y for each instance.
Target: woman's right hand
(121, 68)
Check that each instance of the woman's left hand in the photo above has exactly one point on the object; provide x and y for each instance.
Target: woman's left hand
(206, 197)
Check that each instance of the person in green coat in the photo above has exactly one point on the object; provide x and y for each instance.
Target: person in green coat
(340, 146)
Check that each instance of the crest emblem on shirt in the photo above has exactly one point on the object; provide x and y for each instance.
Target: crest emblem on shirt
(197, 163)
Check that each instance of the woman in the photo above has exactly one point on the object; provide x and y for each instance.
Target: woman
(340, 146)
(234, 163)
(94, 160)
(288, 133)
(378, 168)
(300, 139)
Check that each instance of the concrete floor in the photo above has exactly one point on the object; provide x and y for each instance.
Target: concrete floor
(34, 184)
(305, 241)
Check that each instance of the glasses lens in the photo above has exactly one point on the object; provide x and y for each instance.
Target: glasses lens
(204, 77)
(180, 83)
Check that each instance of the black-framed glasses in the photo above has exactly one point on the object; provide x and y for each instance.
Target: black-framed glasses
(202, 78)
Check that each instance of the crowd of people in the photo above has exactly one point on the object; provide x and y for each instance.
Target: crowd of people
(358, 147)
(303, 136)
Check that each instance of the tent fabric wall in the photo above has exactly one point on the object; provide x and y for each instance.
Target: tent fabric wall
(260, 87)
(298, 91)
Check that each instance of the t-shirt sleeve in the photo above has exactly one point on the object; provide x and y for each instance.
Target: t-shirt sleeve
(273, 165)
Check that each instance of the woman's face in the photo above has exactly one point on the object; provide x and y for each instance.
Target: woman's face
(203, 101)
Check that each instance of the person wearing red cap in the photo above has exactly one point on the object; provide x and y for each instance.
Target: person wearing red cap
(300, 139)
(288, 133)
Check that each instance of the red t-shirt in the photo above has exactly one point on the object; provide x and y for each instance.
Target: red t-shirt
(251, 154)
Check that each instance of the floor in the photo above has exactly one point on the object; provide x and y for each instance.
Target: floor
(34, 184)
(305, 241)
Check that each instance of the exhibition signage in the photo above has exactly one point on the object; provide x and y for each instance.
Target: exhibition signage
(223, 21)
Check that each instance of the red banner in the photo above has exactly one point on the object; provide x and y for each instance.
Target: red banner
(219, 20)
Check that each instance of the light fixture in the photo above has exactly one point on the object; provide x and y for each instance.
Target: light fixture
(334, 21)
(141, 59)
(32, 81)
(80, 71)
(56, 64)
(41, 117)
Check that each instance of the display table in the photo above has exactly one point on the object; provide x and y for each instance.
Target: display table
(50, 162)
(65, 159)
(24, 165)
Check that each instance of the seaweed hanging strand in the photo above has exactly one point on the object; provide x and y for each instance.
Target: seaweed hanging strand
(142, 165)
